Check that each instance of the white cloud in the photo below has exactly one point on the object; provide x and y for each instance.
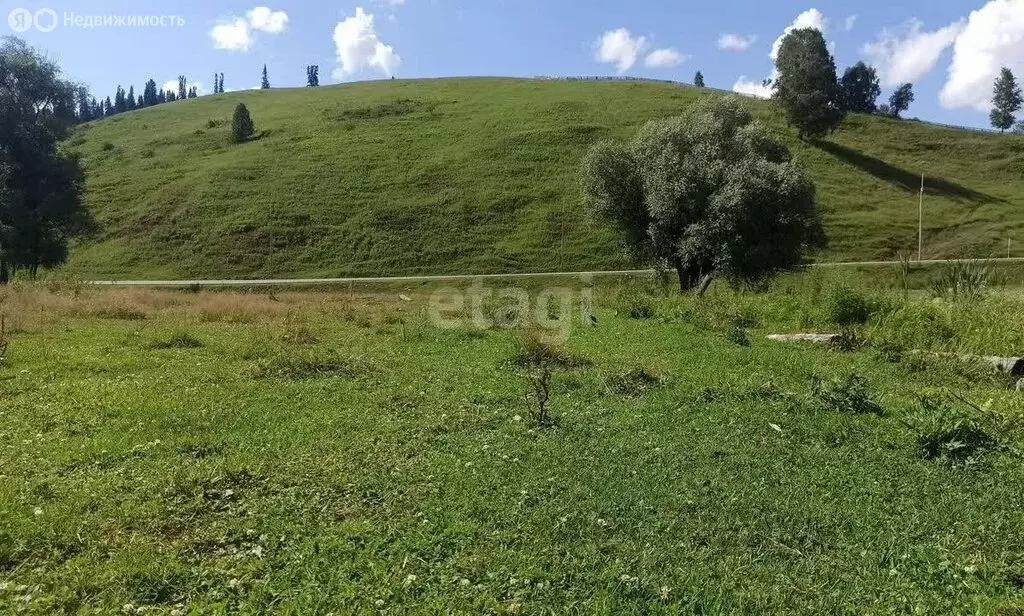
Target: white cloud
(849, 22)
(736, 42)
(618, 47)
(811, 18)
(236, 33)
(665, 58)
(358, 47)
(907, 54)
(992, 38)
(753, 88)
(232, 35)
(263, 19)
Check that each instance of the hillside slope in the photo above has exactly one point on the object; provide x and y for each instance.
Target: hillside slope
(477, 175)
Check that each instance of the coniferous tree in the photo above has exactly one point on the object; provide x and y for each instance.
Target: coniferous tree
(161, 97)
(698, 79)
(139, 104)
(216, 84)
(222, 83)
(182, 87)
(84, 106)
(313, 75)
(95, 109)
(266, 81)
(193, 92)
(149, 93)
(171, 96)
(1006, 100)
(108, 108)
(131, 98)
(120, 103)
(242, 127)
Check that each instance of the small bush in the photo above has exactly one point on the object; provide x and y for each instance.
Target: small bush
(107, 146)
(738, 336)
(307, 366)
(636, 304)
(848, 341)
(889, 352)
(635, 382)
(180, 340)
(214, 123)
(847, 308)
(533, 350)
(242, 127)
(962, 281)
(945, 432)
(849, 394)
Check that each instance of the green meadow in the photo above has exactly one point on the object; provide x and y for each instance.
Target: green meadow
(335, 452)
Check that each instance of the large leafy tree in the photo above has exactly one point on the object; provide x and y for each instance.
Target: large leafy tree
(41, 185)
(859, 89)
(901, 99)
(710, 193)
(1006, 100)
(806, 84)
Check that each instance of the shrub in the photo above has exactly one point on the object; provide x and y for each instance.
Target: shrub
(848, 394)
(180, 340)
(635, 382)
(107, 146)
(738, 336)
(945, 432)
(848, 307)
(636, 303)
(304, 366)
(533, 350)
(962, 281)
(242, 127)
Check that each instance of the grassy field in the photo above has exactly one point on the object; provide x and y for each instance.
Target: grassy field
(335, 452)
(476, 176)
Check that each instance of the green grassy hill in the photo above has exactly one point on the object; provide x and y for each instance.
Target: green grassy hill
(478, 175)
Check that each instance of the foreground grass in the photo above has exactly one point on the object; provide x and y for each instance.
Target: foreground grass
(477, 176)
(317, 453)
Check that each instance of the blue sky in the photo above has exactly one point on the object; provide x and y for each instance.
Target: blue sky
(948, 49)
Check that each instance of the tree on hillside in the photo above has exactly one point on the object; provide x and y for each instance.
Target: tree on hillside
(901, 99)
(41, 206)
(1006, 100)
(149, 93)
(84, 107)
(193, 92)
(859, 88)
(221, 82)
(171, 96)
(266, 81)
(131, 98)
(161, 97)
(806, 84)
(182, 87)
(242, 127)
(698, 79)
(120, 102)
(710, 193)
(108, 108)
(313, 75)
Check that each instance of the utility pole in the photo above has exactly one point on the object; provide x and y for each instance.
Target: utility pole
(920, 221)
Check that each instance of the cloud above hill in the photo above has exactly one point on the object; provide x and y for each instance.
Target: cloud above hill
(992, 38)
(238, 33)
(359, 47)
